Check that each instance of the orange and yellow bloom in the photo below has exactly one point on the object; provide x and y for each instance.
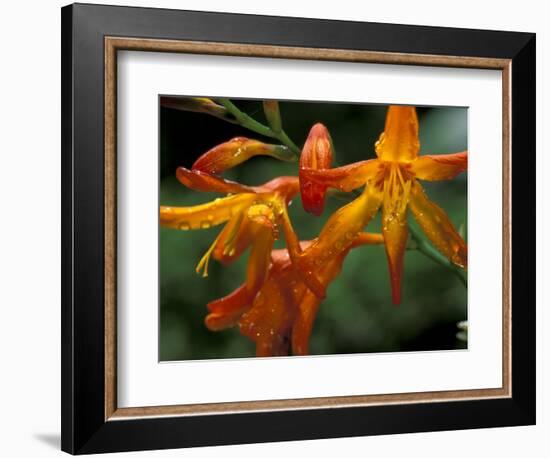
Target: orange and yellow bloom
(391, 182)
(277, 305)
(252, 215)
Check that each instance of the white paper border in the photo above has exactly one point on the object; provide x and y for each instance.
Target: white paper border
(143, 381)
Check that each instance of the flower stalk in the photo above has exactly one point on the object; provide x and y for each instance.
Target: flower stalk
(250, 123)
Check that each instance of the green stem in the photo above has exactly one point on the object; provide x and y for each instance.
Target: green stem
(250, 123)
(422, 245)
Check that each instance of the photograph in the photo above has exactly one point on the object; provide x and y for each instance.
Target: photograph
(293, 228)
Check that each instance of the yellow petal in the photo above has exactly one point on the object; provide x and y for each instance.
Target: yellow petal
(399, 141)
(438, 227)
(337, 236)
(206, 215)
(440, 166)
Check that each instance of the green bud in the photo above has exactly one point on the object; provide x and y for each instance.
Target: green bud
(273, 115)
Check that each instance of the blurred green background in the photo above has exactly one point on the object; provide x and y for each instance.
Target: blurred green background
(357, 316)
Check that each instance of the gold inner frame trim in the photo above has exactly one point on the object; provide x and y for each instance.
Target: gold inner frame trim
(114, 44)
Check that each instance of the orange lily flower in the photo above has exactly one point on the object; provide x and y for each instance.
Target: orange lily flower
(391, 183)
(281, 314)
(252, 216)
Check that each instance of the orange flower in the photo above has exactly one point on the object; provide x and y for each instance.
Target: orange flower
(281, 314)
(391, 183)
(252, 215)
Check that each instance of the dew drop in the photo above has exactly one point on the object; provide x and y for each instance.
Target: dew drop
(205, 225)
(185, 226)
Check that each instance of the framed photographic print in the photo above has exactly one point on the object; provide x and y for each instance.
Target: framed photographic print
(280, 228)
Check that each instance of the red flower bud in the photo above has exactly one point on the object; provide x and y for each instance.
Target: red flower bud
(316, 155)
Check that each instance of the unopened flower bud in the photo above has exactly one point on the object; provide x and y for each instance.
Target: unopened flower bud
(237, 150)
(272, 114)
(316, 154)
(197, 105)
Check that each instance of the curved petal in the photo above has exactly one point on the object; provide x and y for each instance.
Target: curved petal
(206, 215)
(399, 141)
(236, 151)
(438, 227)
(440, 166)
(201, 181)
(337, 236)
(346, 178)
(286, 186)
(225, 312)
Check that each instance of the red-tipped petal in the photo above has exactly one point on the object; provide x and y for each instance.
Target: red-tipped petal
(201, 181)
(440, 166)
(226, 311)
(317, 155)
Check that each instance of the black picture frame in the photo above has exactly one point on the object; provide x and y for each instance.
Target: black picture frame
(84, 426)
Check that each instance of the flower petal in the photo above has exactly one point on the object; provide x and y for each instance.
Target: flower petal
(399, 141)
(308, 306)
(440, 166)
(346, 178)
(269, 321)
(438, 227)
(201, 181)
(303, 323)
(395, 231)
(206, 215)
(237, 150)
(225, 312)
(263, 234)
(233, 240)
(337, 236)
